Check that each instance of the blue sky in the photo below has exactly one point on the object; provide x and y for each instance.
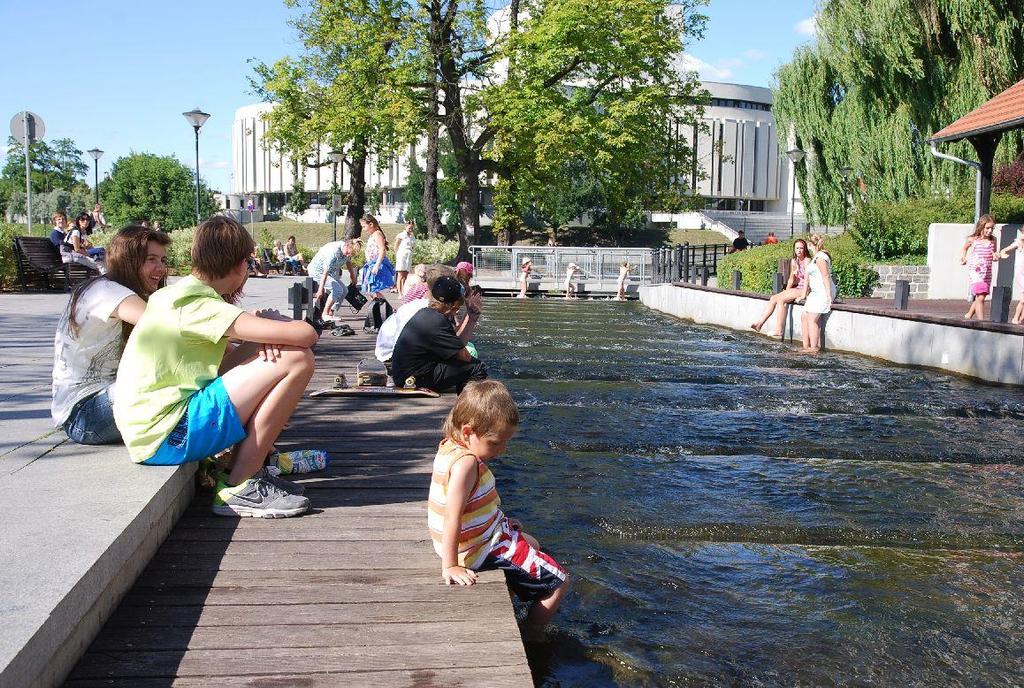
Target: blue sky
(117, 74)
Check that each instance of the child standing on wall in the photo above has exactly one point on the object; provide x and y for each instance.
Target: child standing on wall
(180, 399)
(571, 270)
(978, 254)
(469, 530)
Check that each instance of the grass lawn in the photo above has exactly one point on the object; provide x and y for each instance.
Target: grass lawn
(697, 237)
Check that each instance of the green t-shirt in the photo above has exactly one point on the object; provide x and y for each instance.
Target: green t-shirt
(174, 351)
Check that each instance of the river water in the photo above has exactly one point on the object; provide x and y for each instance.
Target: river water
(734, 513)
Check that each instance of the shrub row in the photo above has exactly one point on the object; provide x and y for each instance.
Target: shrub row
(892, 231)
(758, 265)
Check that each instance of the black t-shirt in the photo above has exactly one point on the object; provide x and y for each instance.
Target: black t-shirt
(426, 340)
(740, 243)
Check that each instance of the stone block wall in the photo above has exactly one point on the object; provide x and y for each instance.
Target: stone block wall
(917, 275)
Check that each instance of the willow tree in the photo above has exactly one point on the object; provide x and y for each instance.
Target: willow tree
(346, 90)
(882, 75)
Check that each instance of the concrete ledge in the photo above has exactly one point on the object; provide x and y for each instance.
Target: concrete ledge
(990, 352)
(80, 524)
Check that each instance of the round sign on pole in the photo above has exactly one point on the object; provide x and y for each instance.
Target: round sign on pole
(36, 127)
(251, 204)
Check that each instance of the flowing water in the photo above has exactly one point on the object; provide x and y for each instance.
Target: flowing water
(734, 513)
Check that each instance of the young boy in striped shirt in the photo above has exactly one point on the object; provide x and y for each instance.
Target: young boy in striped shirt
(469, 530)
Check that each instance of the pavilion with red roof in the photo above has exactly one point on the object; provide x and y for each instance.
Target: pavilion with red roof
(983, 127)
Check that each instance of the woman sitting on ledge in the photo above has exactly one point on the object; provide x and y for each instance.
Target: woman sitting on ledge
(819, 292)
(794, 289)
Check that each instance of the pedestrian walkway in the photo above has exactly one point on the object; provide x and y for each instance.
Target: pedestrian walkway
(349, 594)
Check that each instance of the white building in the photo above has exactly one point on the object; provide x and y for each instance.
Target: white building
(738, 165)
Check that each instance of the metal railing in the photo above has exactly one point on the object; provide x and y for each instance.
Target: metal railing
(599, 267)
(687, 263)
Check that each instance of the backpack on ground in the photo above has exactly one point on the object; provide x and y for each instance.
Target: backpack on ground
(355, 298)
(380, 312)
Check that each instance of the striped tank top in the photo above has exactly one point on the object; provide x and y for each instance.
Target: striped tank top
(481, 516)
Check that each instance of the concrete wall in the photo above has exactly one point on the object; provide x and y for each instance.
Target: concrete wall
(917, 275)
(948, 278)
(986, 355)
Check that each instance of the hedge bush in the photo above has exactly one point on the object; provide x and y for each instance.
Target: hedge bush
(893, 231)
(8, 269)
(852, 272)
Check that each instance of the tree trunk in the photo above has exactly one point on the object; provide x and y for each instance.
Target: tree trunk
(357, 194)
(430, 198)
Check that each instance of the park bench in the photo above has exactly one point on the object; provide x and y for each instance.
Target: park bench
(270, 264)
(40, 266)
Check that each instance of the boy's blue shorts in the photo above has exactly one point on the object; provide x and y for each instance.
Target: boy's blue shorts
(210, 425)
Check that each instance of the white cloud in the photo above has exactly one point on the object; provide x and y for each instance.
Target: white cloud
(754, 55)
(213, 164)
(807, 27)
(705, 70)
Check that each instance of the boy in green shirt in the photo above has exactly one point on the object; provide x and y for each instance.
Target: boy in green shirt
(180, 399)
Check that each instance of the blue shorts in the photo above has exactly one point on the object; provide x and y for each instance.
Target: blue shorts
(210, 425)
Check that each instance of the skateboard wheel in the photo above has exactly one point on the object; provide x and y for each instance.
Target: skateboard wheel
(410, 383)
(340, 381)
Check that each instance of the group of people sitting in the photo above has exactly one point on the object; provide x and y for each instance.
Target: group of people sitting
(72, 239)
(219, 385)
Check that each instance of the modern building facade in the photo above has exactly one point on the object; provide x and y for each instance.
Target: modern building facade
(738, 163)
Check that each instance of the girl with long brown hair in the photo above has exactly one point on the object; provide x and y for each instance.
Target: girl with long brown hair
(377, 274)
(92, 331)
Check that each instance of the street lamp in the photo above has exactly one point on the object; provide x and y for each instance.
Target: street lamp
(96, 154)
(337, 157)
(847, 173)
(197, 118)
(795, 155)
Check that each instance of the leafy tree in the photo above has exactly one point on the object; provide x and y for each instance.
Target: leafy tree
(881, 67)
(414, 193)
(144, 186)
(1010, 178)
(346, 89)
(56, 166)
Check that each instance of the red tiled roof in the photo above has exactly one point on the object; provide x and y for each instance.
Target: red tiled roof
(1004, 112)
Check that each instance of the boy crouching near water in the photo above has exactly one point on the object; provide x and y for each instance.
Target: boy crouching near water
(179, 399)
(469, 530)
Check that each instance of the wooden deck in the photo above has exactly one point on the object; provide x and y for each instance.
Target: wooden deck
(347, 595)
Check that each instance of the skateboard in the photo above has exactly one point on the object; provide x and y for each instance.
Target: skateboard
(341, 389)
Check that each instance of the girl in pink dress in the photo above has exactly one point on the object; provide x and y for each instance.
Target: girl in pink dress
(978, 254)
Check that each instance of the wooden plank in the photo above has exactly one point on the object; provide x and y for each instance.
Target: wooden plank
(500, 676)
(252, 615)
(295, 661)
(183, 551)
(167, 580)
(340, 636)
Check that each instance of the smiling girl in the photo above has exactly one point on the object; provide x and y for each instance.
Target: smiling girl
(92, 331)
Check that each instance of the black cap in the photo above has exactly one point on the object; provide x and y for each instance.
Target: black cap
(447, 290)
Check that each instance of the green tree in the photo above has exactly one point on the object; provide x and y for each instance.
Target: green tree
(414, 193)
(144, 186)
(54, 167)
(881, 69)
(347, 89)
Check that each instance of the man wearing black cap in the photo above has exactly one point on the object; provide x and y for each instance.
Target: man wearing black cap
(428, 348)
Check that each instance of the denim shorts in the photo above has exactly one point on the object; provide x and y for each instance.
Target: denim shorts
(92, 420)
(209, 425)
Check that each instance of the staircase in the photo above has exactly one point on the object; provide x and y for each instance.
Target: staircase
(757, 225)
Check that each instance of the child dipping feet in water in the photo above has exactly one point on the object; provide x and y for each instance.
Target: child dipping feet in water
(469, 530)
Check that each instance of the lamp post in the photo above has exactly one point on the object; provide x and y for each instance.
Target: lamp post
(337, 157)
(197, 118)
(847, 173)
(795, 155)
(96, 154)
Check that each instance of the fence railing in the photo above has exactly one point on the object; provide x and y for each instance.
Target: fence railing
(599, 267)
(687, 263)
